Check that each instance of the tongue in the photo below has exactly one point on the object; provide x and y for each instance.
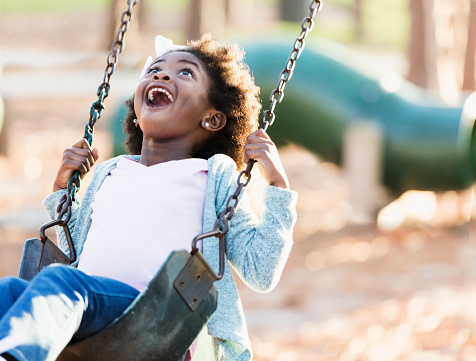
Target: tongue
(160, 100)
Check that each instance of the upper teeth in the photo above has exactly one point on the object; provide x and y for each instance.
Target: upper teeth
(152, 91)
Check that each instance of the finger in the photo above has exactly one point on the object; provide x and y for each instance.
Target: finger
(256, 139)
(83, 160)
(267, 147)
(255, 154)
(82, 143)
(247, 158)
(82, 155)
(70, 157)
(78, 151)
(261, 134)
(71, 165)
(95, 153)
(85, 153)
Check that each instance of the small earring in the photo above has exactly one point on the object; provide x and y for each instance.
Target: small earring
(135, 123)
(207, 124)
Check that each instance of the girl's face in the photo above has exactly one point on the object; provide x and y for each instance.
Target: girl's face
(171, 100)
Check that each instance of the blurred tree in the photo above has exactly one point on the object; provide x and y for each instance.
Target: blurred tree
(293, 10)
(228, 7)
(469, 78)
(438, 43)
(3, 127)
(115, 13)
(206, 16)
(417, 52)
(236, 11)
(359, 25)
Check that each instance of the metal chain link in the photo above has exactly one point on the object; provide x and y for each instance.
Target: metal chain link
(97, 107)
(277, 94)
(222, 224)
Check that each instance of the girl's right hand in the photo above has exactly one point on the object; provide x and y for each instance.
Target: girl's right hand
(78, 157)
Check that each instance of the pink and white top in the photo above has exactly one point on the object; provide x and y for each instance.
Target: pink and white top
(140, 215)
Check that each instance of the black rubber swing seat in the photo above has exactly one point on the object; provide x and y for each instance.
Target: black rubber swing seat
(162, 322)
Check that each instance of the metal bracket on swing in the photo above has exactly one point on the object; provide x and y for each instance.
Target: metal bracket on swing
(39, 253)
(197, 277)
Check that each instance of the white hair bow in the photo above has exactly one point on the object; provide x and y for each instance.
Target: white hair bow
(162, 46)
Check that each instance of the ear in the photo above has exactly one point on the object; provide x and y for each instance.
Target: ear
(214, 121)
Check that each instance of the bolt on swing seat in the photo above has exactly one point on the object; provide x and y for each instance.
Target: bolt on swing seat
(167, 316)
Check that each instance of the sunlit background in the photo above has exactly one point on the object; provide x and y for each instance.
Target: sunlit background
(375, 132)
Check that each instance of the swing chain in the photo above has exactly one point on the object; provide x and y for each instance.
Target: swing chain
(277, 94)
(222, 226)
(119, 43)
(97, 107)
(276, 97)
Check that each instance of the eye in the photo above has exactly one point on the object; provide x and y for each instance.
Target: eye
(187, 72)
(153, 70)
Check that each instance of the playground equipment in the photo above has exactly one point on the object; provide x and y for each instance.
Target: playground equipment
(427, 144)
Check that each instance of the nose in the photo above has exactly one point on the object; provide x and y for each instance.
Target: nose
(162, 75)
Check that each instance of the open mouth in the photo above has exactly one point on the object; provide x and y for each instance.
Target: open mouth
(158, 97)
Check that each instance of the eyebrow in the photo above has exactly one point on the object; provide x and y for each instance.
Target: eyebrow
(180, 61)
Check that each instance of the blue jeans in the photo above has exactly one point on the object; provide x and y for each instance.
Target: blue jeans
(61, 303)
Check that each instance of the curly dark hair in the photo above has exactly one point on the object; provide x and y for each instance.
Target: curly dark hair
(232, 91)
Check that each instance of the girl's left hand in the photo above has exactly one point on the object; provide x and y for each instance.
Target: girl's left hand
(260, 147)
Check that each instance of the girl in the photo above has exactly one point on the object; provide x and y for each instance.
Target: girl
(191, 125)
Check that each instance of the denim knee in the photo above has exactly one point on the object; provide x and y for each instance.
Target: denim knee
(57, 277)
(12, 285)
(57, 270)
(10, 289)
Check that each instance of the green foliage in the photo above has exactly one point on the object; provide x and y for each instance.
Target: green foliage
(167, 5)
(343, 3)
(34, 6)
(267, 2)
(386, 22)
(344, 34)
(340, 32)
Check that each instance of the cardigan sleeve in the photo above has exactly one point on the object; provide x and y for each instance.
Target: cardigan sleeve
(258, 247)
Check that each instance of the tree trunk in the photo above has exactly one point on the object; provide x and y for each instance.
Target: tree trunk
(116, 10)
(293, 10)
(469, 78)
(417, 54)
(206, 16)
(359, 24)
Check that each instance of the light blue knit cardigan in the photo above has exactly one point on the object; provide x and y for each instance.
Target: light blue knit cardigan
(257, 248)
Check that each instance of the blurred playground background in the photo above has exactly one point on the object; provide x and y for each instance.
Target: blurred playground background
(376, 134)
